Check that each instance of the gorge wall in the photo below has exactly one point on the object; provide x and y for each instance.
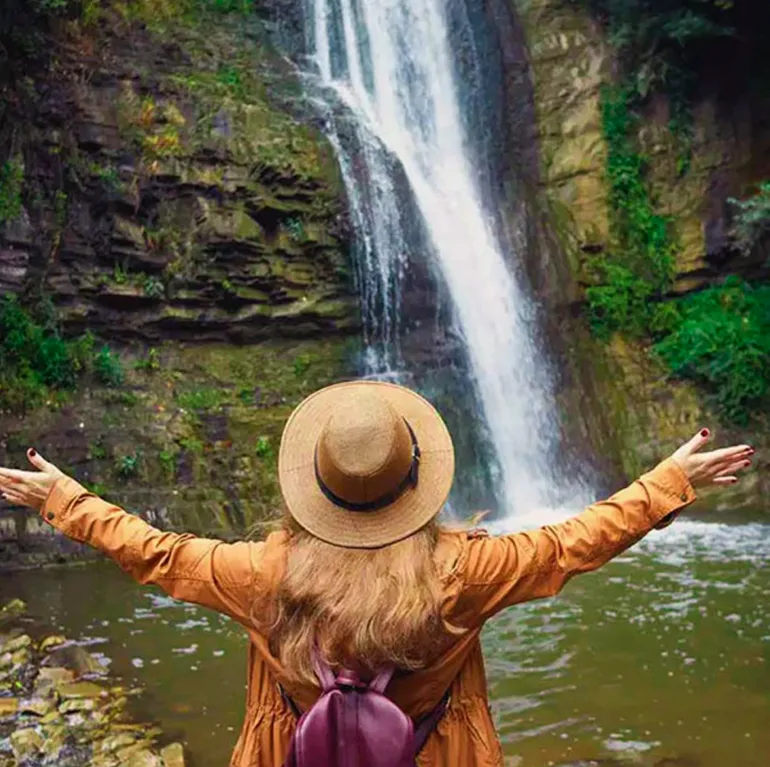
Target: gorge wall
(619, 400)
(175, 203)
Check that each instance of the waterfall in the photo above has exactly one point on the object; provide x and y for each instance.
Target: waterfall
(384, 76)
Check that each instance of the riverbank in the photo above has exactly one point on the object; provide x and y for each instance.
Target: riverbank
(58, 705)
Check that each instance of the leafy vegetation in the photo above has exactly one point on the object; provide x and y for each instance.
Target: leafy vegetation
(660, 40)
(722, 339)
(36, 361)
(11, 184)
(752, 220)
(639, 268)
(200, 399)
(107, 367)
(263, 448)
(127, 466)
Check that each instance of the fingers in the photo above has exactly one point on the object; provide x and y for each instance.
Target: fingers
(14, 475)
(731, 468)
(729, 454)
(39, 462)
(725, 480)
(699, 441)
(14, 498)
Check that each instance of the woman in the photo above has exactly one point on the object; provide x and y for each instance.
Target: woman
(363, 570)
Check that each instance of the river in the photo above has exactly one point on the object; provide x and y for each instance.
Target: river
(662, 655)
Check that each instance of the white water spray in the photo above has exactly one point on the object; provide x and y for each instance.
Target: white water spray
(389, 63)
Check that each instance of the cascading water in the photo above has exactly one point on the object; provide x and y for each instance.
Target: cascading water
(388, 65)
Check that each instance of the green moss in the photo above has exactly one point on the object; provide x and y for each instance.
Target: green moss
(639, 269)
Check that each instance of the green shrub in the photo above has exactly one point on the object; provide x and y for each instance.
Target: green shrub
(153, 287)
(752, 220)
(108, 367)
(295, 228)
(97, 451)
(192, 445)
(127, 466)
(302, 364)
(167, 460)
(200, 399)
(657, 38)
(11, 184)
(150, 363)
(33, 359)
(263, 448)
(723, 341)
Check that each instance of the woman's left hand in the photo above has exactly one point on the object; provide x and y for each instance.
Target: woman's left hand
(29, 488)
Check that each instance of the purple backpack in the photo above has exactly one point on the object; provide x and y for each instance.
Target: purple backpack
(353, 724)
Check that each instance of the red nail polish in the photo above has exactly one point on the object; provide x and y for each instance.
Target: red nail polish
(32, 452)
(704, 433)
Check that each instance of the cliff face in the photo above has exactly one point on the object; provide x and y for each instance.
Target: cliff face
(176, 204)
(632, 412)
(170, 195)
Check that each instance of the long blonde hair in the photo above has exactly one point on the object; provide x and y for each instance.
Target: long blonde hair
(364, 608)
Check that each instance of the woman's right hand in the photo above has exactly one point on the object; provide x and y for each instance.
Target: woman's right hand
(29, 488)
(716, 467)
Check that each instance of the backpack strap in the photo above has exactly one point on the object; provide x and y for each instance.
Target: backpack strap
(428, 723)
(323, 671)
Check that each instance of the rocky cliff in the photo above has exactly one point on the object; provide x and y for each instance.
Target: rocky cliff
(632, 409)
(174, 201)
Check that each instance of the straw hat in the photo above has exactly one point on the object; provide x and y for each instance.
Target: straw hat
(364, 464)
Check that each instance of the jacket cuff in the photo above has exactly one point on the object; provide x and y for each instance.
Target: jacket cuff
(60, 500)
(675, 492)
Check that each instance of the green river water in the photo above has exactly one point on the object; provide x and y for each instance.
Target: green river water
(661, 658)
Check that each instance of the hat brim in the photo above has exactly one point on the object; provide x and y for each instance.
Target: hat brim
(364, 529)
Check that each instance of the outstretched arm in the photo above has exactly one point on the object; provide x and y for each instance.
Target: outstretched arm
(208, 572)
(501, 571)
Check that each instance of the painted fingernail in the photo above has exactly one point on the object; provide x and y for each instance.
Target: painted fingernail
(32, 452)
(704, 433)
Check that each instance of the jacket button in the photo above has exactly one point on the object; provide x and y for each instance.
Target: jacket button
(683, 496)
(50, 516)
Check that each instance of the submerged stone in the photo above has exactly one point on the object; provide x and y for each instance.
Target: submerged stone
(37, 706)
(74, 690)
(76, 659)
(17, 643)
(8, 706)
(11, 611)
(142, 758)
(50, 642)
(26, 743)
(173, 755)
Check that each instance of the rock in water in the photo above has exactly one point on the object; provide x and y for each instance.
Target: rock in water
(173, 755)
(26, 743)
(76, 659)
(142, 758)
(50, 642)
(11, 611)
(8, 706)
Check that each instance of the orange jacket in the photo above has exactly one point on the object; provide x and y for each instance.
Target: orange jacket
(480, 574)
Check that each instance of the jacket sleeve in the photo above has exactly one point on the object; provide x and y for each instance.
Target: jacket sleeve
(207, 572)
(504, 570)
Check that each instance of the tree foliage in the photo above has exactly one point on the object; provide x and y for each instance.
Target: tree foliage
(657, 39)
(752, 220)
